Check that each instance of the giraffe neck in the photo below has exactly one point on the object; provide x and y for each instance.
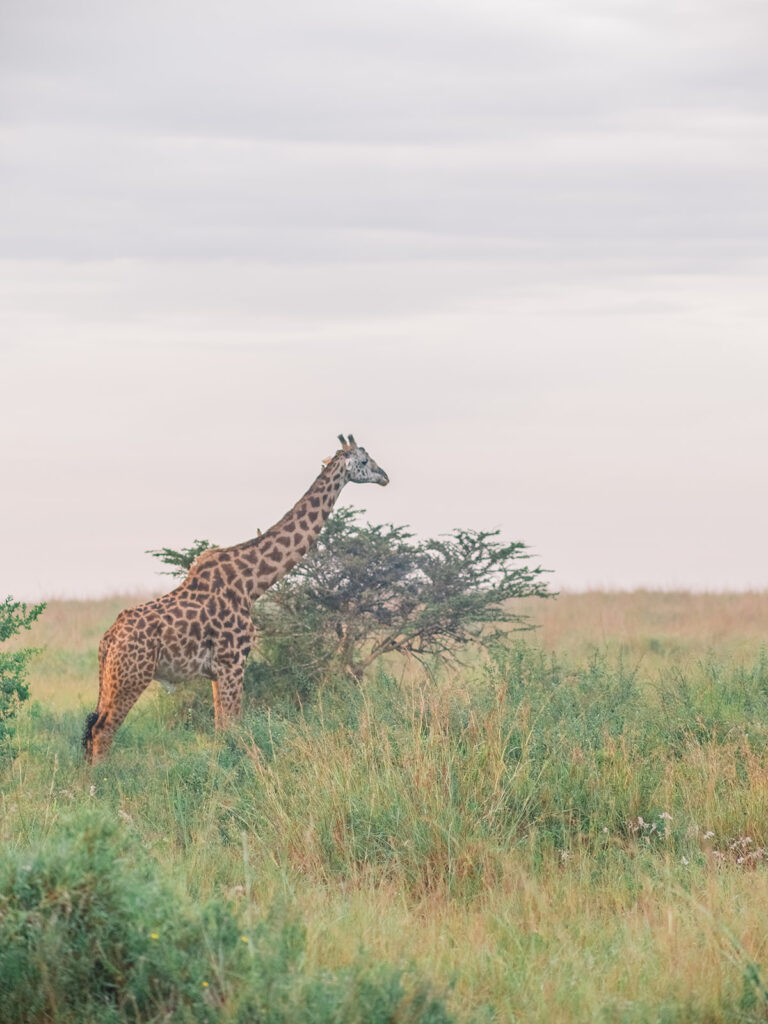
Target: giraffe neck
(273, 554)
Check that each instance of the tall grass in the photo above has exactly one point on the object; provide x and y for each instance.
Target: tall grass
(547, 838)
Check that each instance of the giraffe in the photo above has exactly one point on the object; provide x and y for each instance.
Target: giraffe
(203, 627)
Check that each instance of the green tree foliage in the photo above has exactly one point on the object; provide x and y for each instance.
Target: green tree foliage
(180, 561)
(364, 591)
(14, 616)
(367, 590)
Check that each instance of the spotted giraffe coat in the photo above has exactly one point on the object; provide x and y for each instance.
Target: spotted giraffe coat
(203, 628)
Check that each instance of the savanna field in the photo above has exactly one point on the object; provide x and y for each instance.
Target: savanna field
(574, 829)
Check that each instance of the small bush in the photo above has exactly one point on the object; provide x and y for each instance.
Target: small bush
(14, 616)
(87, 933)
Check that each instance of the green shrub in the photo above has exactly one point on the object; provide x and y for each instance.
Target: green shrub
(87, 933)
(14, 616)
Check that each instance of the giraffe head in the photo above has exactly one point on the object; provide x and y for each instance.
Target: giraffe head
(361, 469)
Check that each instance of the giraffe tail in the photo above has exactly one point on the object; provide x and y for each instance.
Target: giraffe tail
(89, 724)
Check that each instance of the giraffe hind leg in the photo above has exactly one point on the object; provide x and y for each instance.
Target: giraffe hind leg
(93, 716)
(126, 672)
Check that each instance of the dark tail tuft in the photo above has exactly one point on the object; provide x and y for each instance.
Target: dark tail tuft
(89, 724)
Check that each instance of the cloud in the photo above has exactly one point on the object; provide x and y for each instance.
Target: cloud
(301, 132)
(343, 71)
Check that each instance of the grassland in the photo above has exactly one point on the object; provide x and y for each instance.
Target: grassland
(574, 831)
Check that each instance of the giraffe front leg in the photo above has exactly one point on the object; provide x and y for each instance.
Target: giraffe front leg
(228, 670)
(228, 694)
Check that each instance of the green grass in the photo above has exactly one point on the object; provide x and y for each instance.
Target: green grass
(545, 838)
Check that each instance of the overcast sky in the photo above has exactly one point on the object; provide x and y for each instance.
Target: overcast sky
(517, 248)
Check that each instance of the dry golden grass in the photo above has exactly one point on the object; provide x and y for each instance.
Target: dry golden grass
(655, 624)
(65, 672)
(652, 627)
(78, 625)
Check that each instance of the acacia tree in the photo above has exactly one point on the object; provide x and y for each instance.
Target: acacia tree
(180, 561)
(366, 590)
(14, 616)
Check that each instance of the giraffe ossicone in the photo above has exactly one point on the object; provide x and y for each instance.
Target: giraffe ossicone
(203, 628)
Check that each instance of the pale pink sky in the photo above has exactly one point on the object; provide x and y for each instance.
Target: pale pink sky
(519, 250)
